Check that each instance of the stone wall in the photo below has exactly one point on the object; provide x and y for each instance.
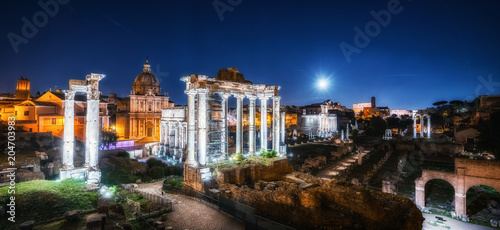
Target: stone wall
(253, 173)
(479, 168)
(327, 204)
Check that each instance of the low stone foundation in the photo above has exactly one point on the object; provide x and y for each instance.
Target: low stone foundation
(77, 173)
(254, 172)
(195, 177)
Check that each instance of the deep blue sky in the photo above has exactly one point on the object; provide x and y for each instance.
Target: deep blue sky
(430, 51)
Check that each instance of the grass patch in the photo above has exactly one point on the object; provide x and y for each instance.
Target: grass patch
(41, 200)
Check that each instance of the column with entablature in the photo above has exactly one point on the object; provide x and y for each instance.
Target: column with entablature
(251, 137)
(92, 139)
(202, 126)
(276, 123)
(428, 126)
(263, 121)
(191, 128)
(239, 122)
(224, 125)
(69, 132)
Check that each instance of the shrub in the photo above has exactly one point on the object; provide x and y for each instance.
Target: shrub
(262, 151)
(175, 183)
(156, 172)
(152, 162)
(270, 154)
(238, 157)
(123, 153)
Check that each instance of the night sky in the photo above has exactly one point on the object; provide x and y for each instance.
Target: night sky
(428, 51)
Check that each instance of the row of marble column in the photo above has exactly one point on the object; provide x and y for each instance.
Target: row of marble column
(421, 125)
(91, 130)
(327, 124)
(173, 134)
(197, 124)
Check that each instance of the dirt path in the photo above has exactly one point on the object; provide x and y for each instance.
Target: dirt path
(192, 214)
(330, 171)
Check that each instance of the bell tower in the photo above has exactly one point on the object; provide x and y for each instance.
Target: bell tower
(23, 89)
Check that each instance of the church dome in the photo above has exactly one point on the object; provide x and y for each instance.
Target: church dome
(146, 82)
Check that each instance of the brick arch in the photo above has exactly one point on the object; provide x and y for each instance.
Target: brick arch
(484, 181)
(467, 174)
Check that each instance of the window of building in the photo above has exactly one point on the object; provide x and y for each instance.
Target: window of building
(26, 113)
(15, 113)
(54, 121)
(149, 108)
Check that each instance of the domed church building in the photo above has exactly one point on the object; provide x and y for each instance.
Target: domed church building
(139, 116)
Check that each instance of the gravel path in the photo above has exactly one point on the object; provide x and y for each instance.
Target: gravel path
(451, 223)
(192, 214)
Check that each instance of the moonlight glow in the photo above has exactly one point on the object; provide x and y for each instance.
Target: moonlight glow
(322, 83)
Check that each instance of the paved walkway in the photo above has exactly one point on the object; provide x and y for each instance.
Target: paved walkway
(192, 214)
(451, 223)
(332, 170)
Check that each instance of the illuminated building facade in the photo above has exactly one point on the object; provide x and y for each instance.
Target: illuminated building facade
(139, 115)
(46, 112)
(319, 119)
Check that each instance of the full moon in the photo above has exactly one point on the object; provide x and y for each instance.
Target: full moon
(322, 83)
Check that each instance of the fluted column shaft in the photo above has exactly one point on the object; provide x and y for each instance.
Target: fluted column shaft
(191, 128)
(276, 123)
(202, 126)
(69, 131)
(239, 123)
(251, 132)
(263, 122)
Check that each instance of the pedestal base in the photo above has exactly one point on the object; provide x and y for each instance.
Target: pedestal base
(77, 173)
(93, 177)
(195, 177)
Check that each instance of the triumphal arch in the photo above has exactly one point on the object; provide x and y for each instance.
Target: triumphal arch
(90, 171)
(207, 124)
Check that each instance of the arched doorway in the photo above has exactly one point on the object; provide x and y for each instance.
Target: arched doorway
(149, 129)
(483, 203)
(440, 194)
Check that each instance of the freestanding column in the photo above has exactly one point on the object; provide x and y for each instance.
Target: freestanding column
(276, 123)
(421, 126)
(224, 135)
(263, 122)
(239, 123)
(191, 128)
(347, 132)
(251, 136)
(428, 126)
(92, 139)
(414, 124)
(202, 126)
(282, 131)
(69, 132)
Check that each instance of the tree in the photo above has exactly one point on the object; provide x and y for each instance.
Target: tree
(376, 127)
(393, 122)
(489, 135)
(439, 103)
